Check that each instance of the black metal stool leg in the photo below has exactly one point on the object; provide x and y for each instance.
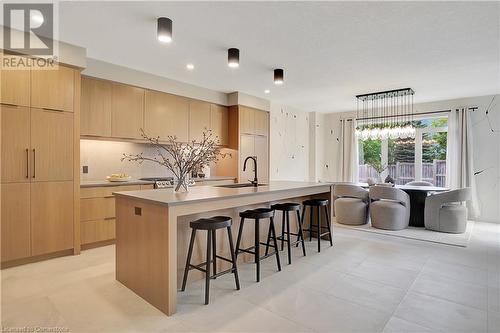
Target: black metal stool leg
(233, 258)
(311, 213)
(319, 229)
(207, 272)
(328, 225)
(257, 248)
(188, 260)
(275, 243)
(283, 230)
(240, 232)
(268, 239)
(214, 250)
(300, 236)
(288, 237)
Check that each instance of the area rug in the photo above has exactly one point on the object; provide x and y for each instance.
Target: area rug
(420, 234)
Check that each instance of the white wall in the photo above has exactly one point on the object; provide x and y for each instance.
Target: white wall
(486, 148)
(289, 143)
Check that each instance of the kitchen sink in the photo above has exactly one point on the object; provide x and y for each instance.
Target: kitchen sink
(239, 185)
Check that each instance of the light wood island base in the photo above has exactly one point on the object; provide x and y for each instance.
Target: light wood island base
(152, 231)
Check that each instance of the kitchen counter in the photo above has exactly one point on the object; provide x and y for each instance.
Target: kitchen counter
(100, 183)
(152, 231)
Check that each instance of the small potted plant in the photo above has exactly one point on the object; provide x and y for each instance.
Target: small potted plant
(379, 168)
(181, 158)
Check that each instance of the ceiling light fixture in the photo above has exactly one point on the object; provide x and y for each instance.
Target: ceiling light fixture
(267, 91)
(164, 29)
(233, 57)
(278, 76)
(190, 67)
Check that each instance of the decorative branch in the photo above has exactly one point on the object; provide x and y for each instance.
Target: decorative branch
(181, 158)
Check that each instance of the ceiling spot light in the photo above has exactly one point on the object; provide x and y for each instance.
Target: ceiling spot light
(267, 91)
(164, 29)
(190, 67)
(233, 57)
(36, 16)
(278, 76)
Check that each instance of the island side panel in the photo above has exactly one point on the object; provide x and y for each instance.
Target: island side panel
(142, 251)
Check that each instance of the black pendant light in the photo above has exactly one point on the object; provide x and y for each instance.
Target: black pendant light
(164, 29)
(278, 76)
(233, 57)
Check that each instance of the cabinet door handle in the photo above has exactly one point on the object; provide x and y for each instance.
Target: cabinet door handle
(10, 105)
(109, 218)
(27, 163)
(53, 110)
(34, 162)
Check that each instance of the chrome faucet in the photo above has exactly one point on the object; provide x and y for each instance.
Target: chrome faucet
(255, 182)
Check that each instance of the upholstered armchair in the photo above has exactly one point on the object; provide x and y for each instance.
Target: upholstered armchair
(419, 183)
(444, 211)
(389, 208)
(351, 205)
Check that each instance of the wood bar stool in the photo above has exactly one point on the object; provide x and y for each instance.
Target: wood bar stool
(286, 208)
(317, 203)
(257, 215)
(211, 225)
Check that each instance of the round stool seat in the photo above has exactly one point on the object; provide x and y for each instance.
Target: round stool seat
(286, 207)
(315, 202)
(259, 213)
(213, 223)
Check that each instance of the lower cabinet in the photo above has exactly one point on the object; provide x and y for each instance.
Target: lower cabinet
(15, 228)
(97, 213)
(37, 218)
(51, 217)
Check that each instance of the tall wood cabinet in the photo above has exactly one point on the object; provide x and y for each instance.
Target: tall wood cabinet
(39, 171)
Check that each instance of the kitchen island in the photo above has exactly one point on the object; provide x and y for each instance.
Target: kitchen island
(152, 230)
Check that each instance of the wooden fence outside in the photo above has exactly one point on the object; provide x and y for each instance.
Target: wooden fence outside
(403, 173)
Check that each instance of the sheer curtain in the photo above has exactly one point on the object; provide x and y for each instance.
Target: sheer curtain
(459, 157)
(349, 156)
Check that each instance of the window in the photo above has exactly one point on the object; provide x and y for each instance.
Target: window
(422, 158)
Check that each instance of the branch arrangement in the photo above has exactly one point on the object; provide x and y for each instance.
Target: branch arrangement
(179, 157)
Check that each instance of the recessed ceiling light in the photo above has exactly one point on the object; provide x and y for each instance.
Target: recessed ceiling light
(233, 57)
(278, 76)
(164, 29)
(267, 91)
(190, 67)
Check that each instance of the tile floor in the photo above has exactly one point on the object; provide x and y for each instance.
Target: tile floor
(365, 283)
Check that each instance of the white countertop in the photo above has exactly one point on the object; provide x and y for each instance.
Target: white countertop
(100, 183)
(207, 193)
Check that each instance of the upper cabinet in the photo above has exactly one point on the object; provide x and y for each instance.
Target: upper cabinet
(247, 120)
(199, 119)
(96, 107)
(166, 115)
(15, 143)
(219, 123)
(15, 86)
(127, 111)
(261, 123)
(253, 121)
(53, 89)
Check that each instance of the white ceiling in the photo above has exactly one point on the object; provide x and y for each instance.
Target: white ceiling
(330, 51)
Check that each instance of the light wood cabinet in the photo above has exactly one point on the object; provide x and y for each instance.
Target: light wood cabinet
(261, 123)
(262, 153)
(15, 213)
(166, 115)
(95, 117)
(247, 148)
(127, 111)
(199, 119)
(53, 89)
(15, 84)
(15, 143)
(51, 217)
(51, 145)
(247, 120)
(97, 216)
(219, 121)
